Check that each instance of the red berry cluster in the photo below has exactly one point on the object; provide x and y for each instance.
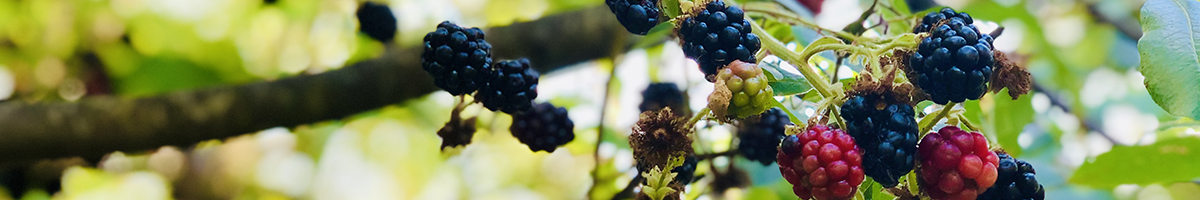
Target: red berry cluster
(821, 163)
(956, 164)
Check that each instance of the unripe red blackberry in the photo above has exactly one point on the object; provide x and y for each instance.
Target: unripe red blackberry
(458, 58)
(510, 87)
(377, 21)
(821, 163)
(716, 36)
(954, 63)
(955, 164)
(749, 92)
(759, 137)
(887, 132)
(638, 16)
(543, 128)
(1016, 180)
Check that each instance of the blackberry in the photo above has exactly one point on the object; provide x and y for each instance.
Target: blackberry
(458, 58)
(758, 139)
(638, 16)
(716, 36)
(686, 171)
(888, 136)
(821, 163)
(955, 164)
(377, 21)
(661, 95)
(510, 87)
(1015, 181)
(543, 128)
(954, 63)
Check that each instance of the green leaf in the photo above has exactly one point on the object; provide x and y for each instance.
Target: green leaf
(671, 8)
(1009, 119)
(1170, 54)
(783, 82)
(656, 35)
(1165, 161)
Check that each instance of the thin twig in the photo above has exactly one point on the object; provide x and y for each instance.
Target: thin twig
(612, 75)
(714, 155)
(1057, 101)
(1127, 27)
(925, 128)
(627, 193)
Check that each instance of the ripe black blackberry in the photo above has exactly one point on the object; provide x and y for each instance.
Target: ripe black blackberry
(510, 87)
(888, 137)
(660, 95)
(686, 171)
(638, 16)
(377, 21)
(543, 128)
(458, 58)
(758, 139)
(1015, 181)
(716, 36)
(954, 63)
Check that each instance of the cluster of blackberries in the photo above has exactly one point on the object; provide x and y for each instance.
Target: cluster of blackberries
(716, 36)
(638, 16)
(543, 128)
(954, 63)
(377, 21)
(1015, 181)
(758, 138)
(661, 95)
(458, 58)
(460, 62)
(888, 136)
(510, 88)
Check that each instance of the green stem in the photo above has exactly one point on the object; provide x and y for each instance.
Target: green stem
(772, 10)
(927, 125)
(700, 115)
(801, 62)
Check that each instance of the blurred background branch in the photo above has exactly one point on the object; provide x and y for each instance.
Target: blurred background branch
(93, 126)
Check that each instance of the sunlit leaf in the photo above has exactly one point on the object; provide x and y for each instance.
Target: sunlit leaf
(785, 83)
(1165, 161)
(1009, 118)
(1170, 56)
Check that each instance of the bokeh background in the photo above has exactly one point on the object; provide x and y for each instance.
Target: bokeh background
(1089, 100)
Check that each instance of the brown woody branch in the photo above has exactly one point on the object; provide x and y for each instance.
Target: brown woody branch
(93, 126)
